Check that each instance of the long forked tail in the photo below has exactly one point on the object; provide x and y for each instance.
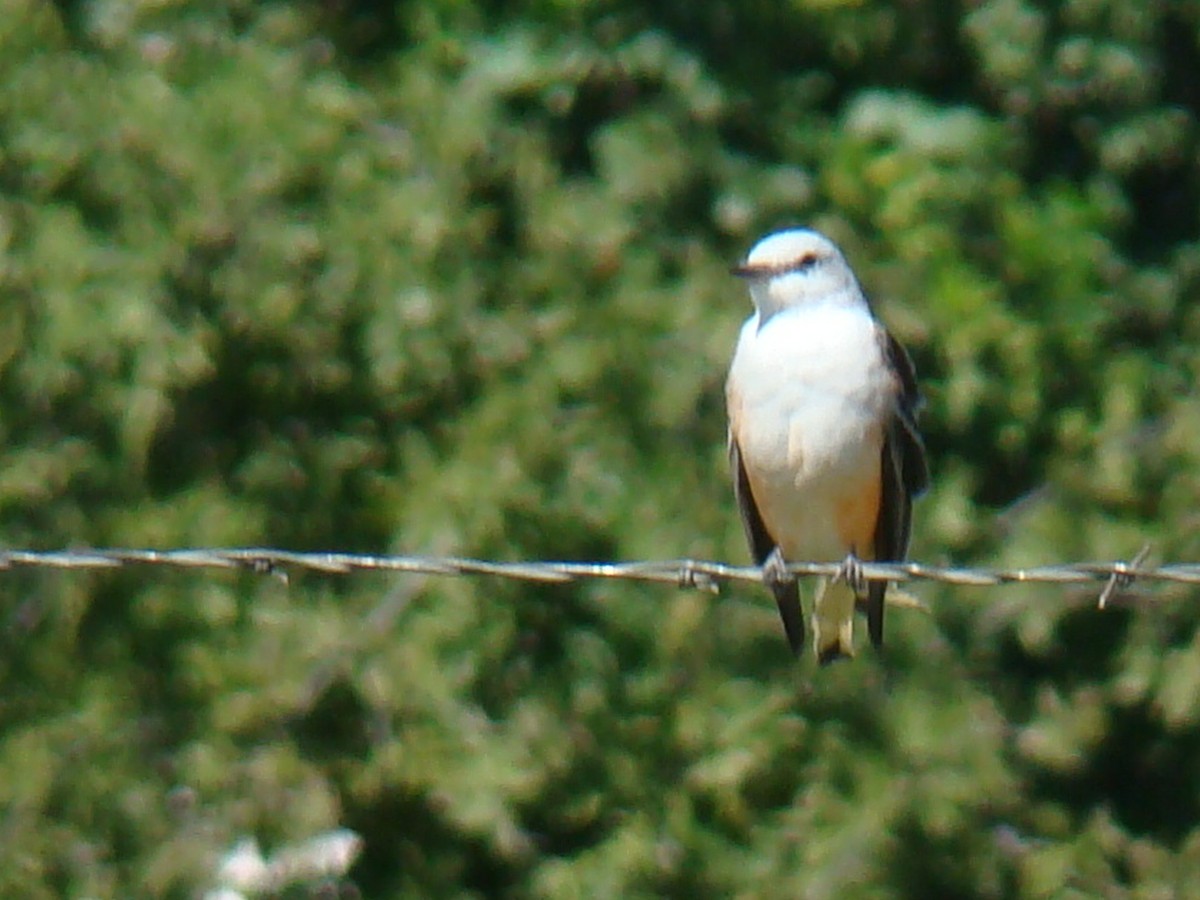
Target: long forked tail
(833, 621)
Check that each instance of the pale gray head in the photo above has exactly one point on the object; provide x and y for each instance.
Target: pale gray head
(795, 267)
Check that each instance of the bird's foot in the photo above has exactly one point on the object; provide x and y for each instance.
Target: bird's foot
(775, 572)
(850, 572)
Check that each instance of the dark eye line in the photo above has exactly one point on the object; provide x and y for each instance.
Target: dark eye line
(803, 264)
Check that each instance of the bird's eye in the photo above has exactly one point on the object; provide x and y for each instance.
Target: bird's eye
(806, 262)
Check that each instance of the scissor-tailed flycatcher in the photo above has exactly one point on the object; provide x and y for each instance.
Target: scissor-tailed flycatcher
(823, 441)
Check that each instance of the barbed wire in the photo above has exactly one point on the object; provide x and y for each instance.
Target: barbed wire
(1117, 575)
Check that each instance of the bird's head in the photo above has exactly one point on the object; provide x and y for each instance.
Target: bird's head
(796, 267)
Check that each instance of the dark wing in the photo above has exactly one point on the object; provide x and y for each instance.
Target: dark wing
(762, 545)
(905, 474)
(914, 469)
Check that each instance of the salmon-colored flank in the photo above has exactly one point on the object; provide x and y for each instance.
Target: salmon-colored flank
(855, 516)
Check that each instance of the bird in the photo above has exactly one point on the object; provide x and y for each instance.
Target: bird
(823, 446)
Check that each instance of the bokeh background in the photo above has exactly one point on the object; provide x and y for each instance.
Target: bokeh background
(443, 276)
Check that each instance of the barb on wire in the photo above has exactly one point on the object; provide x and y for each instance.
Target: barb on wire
(1122, 577)
(688, 573)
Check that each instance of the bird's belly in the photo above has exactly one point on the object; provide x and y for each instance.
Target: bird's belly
(818, 493)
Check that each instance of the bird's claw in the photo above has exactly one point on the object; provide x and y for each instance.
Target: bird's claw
(850, 572)
(775, 572)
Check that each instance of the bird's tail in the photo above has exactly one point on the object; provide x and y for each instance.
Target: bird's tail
(833, 620)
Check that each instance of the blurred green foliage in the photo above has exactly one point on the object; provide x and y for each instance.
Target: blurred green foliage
(451, 277)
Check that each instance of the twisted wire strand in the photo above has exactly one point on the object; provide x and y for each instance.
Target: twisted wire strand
(703, 574)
